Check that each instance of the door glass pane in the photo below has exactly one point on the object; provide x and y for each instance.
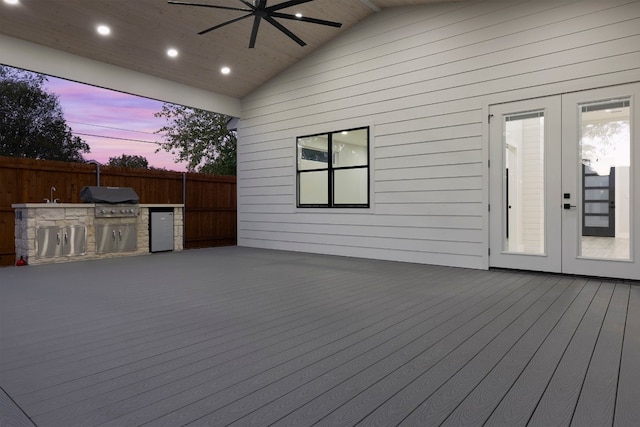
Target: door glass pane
(596, 181)
(524, 183)
(605, 181)
(596, 221)
(596, 208)
(596, 194)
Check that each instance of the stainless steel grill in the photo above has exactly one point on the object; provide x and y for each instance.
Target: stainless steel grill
(117, 211)
(112, 202)
(109, 195)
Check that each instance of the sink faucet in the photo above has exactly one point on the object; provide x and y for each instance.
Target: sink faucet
(52, 199)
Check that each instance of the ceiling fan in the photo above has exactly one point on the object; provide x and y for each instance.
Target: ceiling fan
(259, 10)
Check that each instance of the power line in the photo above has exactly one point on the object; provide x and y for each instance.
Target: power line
(115, 137)
(111, 127)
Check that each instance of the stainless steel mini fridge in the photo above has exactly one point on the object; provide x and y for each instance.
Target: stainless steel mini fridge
(160, 230)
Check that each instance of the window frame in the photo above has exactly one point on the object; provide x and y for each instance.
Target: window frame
(330, 169)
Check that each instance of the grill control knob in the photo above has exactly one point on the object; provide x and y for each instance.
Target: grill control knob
(113, 211)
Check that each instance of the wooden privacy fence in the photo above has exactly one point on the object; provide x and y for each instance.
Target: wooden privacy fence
(210, 201)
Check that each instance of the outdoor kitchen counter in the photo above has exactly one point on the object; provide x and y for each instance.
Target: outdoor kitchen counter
(88, 205)
(63, 232)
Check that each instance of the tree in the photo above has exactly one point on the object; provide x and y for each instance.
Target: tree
(32, 123)
(200, 138)
(126, 161)
(600, 141)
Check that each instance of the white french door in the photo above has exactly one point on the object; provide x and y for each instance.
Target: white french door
(565, 187)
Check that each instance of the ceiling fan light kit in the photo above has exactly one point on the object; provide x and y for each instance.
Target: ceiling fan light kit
(259, 10)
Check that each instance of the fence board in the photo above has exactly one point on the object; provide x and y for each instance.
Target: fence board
(210, 201)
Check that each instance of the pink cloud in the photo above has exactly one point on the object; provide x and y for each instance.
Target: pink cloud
(100, 116)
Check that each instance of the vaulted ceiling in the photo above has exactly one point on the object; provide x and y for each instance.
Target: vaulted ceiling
(143, 30)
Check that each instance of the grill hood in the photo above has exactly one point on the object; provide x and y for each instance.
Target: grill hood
(111, 195)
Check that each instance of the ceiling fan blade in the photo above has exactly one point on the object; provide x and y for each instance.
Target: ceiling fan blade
(254, 32)
(284, 30)
(306, 19)
(215, 27)
(246, 3)
(285, 5)
(181, 3)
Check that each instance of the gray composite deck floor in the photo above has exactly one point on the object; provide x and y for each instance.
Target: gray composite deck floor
(239, 336)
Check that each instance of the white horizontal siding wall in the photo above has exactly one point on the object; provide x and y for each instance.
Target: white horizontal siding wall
(421, 78)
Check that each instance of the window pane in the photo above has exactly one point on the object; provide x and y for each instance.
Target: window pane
(350, 148)
(524, 182)
(313, 152)
(605, 159)
(314, 188)
(350, 186)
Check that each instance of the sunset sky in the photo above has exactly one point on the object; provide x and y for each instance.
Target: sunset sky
(112, 123)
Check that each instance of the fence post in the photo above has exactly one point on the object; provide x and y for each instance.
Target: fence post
(184, 209)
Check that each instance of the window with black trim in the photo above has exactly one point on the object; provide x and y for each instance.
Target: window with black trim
(333, 169)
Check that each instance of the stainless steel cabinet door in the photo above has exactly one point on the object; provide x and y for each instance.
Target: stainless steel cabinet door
(61, 241)
(106, 238)
(74, 240)
(49, 242)
(127, 237)
(116, 238)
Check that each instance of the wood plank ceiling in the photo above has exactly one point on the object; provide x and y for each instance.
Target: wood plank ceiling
(143, 30)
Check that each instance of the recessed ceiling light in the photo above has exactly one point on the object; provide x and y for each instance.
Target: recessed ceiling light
(298, 15)
(103, 30)
(172, 52)
(225, 70)
(12, 2)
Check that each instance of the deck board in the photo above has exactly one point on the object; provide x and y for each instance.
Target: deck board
(558, 402)
(241, 336)
(234, 363)
(596, 404)
(392, 377)
(10, 414)
(535, 320)
(485, 394)
(322, 374)
(520, 401)
(627, 411)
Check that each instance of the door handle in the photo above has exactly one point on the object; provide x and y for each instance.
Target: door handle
(568, 206)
